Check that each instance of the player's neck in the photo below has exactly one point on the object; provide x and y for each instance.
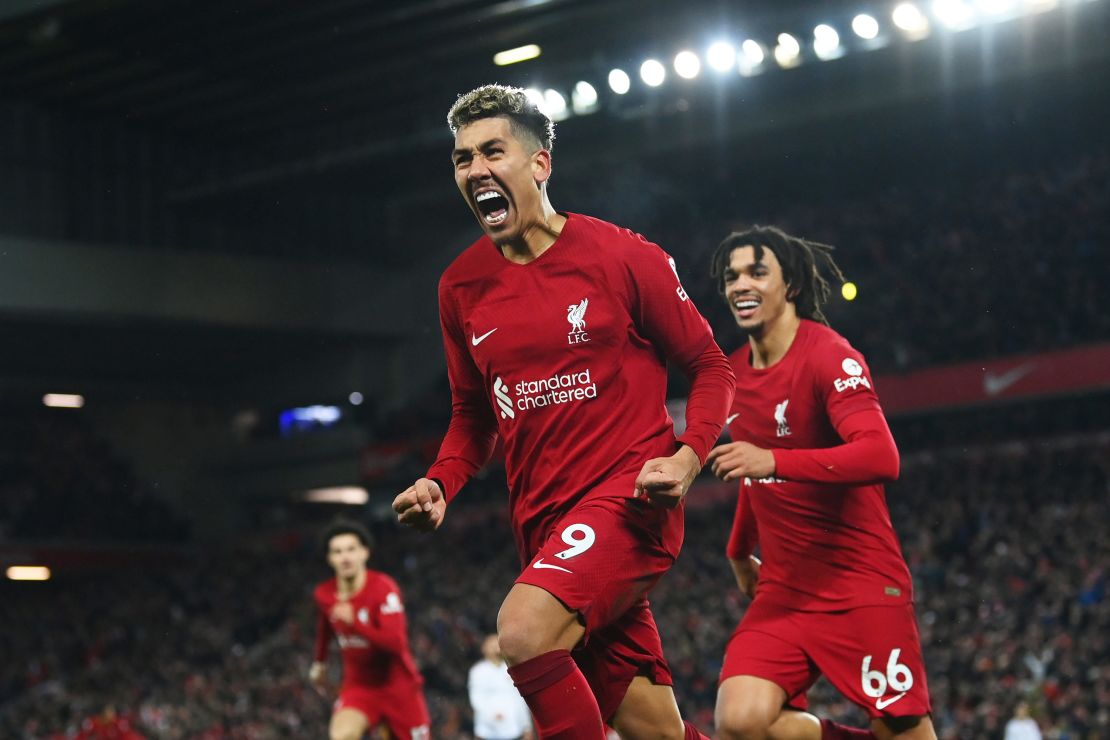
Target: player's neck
(774, 341)
(347, 587)
(537, 237)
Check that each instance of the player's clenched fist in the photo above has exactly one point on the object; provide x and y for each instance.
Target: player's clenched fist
(421, 505)
(318, 677)
(665, 480)
(741, 460)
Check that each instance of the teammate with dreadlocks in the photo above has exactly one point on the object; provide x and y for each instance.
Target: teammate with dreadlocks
(812, 451)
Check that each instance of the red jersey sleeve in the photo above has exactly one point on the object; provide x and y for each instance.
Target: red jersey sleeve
(323, 634)
(745, 531)
(471, 435)
(842, 385)
(386, 627)
(666, 315)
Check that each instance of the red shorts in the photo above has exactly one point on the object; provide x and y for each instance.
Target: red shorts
(403, 712)
(871, 654)
(601, 560)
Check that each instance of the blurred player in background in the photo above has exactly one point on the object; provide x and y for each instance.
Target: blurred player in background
(811, 451)
(499, 711)
(557, 328)
(362, 608)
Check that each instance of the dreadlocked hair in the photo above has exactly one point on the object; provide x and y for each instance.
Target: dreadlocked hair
(803, 264)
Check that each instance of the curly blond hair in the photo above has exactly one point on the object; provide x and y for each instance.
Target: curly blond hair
(528, 122)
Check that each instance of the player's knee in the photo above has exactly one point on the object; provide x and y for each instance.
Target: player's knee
(739, 723)
(520, 641)
(345, 733)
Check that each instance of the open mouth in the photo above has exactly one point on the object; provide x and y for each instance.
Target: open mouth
(493, 206)
(745, 307)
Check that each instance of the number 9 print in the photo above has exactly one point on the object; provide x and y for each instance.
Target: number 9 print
(580, 537)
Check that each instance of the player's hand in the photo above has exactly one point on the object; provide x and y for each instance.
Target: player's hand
(421, 505)
(318, 677)
(737, 460)
(747, 574)
(343, 612)
(665, 480)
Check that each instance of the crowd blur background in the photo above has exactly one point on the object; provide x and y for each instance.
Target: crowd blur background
(221, 227)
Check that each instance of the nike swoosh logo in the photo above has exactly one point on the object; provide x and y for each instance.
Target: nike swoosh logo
(478, 340)
(541, 565)
(884, 703)
(730, 419)
(995, 384)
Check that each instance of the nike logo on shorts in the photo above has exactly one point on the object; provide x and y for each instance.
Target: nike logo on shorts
(475, 340)
(884, 703)
(731, 418)
(540, 565)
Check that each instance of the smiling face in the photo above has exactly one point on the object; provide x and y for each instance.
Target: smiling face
(501, 176)
(347, 555)
(755, 290)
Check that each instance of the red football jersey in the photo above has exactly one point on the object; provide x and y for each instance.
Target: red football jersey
(375, 647)
(565, 358)
(825, 546)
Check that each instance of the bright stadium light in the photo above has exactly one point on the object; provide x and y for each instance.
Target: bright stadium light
(911, 20)
(536, 96)
(788, 51)
(721, 56)
(28, 573)
(954, 14)
(687, 65)
(583, 99)
(355, 398)
(352, 495)
(751, 57)
(849, 291)
(865, 26)
(826, 42)
(63, 400)
(996, 7)
(555, 105)
(619, 82)
(652, 72)
(1040, 6)
(519, 54)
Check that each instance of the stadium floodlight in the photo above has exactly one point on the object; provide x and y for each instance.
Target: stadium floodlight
(865, 26)
(28, 573)
(751, 57)
(352, 495)
(519, 54)
(63, 400)
(788, 51)
(652, 72)
(687, 65)
(954, 14)
(583, 99)
(555, 105)
(826, 42)
(911, 20)
(996, 7)
(721, 56)
(536, 96)
(355, 398)
(849, 291)
(619, 82)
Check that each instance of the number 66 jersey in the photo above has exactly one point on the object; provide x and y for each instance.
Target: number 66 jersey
(565, 359)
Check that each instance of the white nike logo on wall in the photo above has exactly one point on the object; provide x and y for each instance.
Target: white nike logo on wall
(884, 703)
(541, 565)
(475, 340)
(995, 384)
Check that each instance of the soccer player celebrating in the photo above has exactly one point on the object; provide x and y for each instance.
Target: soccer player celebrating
(557, 328)
(363, 609)
(811, 450)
